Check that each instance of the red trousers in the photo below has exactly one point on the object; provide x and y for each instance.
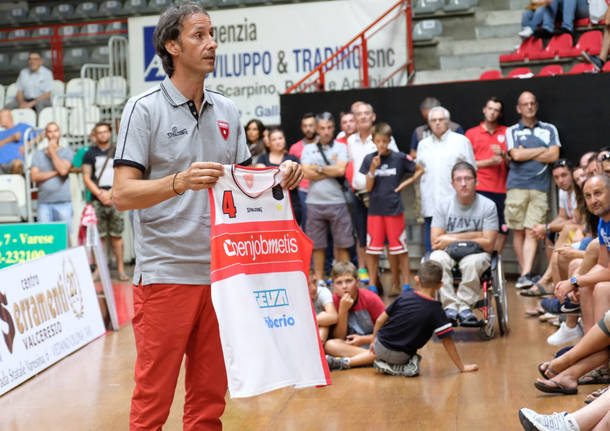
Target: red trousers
(173, 320)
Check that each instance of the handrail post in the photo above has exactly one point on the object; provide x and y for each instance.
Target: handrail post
(57, 54)
(409, 33)
(321, 83)
(364, 65)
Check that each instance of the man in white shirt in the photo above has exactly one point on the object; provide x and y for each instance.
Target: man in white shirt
(34, 85)
(359, 145)
(437, 154)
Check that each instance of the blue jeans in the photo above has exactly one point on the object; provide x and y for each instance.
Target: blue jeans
(569, 10)
(532, 18)
(61, 211)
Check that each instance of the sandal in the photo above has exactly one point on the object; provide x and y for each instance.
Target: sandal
(594, 395)
(555, 388)
(534, 312)
(536, 290)
(598, 376)
(546, 372)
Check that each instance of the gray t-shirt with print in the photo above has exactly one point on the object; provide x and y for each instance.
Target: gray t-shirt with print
(55, 189)
(326, 191)
(453, 217)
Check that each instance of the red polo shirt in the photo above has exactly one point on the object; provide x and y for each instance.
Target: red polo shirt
(491, 178)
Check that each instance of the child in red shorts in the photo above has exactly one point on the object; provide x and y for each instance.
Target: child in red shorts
(384, 171)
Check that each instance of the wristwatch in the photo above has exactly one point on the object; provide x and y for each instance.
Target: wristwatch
(320, 169)
(573, 281)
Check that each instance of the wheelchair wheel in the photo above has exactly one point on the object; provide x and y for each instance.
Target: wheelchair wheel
(499, 288)
(488, 329)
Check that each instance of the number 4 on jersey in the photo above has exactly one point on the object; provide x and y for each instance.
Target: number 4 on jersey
(228, 205)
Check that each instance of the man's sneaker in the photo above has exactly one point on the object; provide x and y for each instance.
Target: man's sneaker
(565, 335)
(524, 281)
(597, 62)
(569, 307)
(391, 369)
(412, 367)
(335, 363)
(451, 314)
(533, 421)
(526, 32)
(363, 275)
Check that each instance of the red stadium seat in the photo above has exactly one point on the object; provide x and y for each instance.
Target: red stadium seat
(520, 72)
(582, 68)
(557, 45)
(525, 49)
(584, 22)
(551, 70)
(490, 74)
(591, 42)
(606, 67)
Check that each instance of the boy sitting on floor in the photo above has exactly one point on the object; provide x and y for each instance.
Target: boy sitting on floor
(408, 324)
(358, 310)
(322, 299)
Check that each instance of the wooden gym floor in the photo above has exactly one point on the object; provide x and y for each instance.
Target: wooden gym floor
(91, 390)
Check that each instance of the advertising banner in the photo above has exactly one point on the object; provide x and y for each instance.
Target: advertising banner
(24, 241)
(262, 51)
(48, 309)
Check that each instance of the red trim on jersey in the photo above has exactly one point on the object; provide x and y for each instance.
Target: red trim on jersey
(235, 168)
(253, 227)
(425, 297)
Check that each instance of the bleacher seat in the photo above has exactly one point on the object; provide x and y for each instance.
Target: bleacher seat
(69, 30)
(111, 91)
(86, 10)
(5, 63)
(2, 91)
(457, 5)
(558, 46)
(3, 35)
(136, 7)
(18, 15)
(61, 12)
(116, 26)
(591, 42)
(82, 120)
(12, 198)
(47, 58)
(227, 3)
(489, 75)
(90, 31)
(58, 93)
(100, 54)
(423, 7)
(43, 32)
(551, 70)
(110, 8)
(520, 72)
(57, 114)
(582, 68)
(37, 14)
(606, 67)
(11, 93)
(427, 30)
(79, 91)
(20, 60)
(75, 56)
(18, 34)
(24, 115)
(527, 47)
(159, 5)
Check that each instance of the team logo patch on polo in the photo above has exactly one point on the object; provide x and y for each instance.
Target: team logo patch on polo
(223, 126)
(501, 138)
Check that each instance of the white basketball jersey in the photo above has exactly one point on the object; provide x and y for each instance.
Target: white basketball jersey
(260, 262)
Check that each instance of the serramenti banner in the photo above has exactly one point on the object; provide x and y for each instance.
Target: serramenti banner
(264, 50)
(48, 309)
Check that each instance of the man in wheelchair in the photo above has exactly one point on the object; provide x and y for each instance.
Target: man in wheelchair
(463, 233)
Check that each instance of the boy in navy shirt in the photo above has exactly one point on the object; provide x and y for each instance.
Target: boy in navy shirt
(384, 170)
(409, 322)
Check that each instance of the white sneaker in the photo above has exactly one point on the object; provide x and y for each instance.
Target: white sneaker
(532, 421)
(526, 32)
(565, 335)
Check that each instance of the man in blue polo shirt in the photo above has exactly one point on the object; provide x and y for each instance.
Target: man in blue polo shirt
(532, 145)
(11, 143)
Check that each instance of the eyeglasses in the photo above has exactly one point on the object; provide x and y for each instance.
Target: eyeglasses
(561, 163)
(604, 158)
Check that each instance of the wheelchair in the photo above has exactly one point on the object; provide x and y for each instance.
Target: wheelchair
(493, 304)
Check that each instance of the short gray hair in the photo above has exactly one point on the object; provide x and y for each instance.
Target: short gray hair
(325, 116)
(169, 28)
(445, 112)
(429, 103)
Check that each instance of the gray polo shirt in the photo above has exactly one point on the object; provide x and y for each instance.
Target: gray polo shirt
(35, 84)
(161, 133)
(55, 189)
(328, 190)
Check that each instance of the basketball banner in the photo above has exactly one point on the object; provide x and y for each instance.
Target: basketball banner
(48, 309)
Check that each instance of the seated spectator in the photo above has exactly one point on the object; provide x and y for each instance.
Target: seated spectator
(254, 137)
(50, 169)
(274, 155)
(599, 61)
(34, 86)
(466, 216)
(323, 305)
(569, 10)
(358, 310)
(425, 129)
(11, 143)
(324, 166)
(594, 416)
(384, 171)
(409, 322)
(532, 17)
(561, 375)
